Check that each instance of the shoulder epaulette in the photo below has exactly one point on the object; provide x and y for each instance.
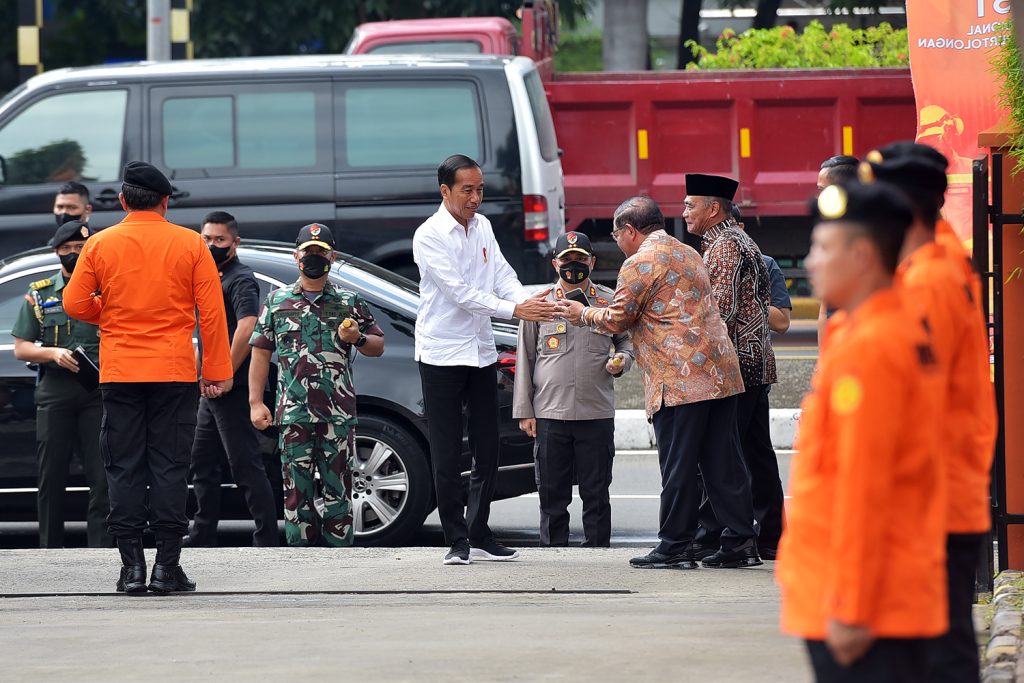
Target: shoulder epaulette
(39, 284)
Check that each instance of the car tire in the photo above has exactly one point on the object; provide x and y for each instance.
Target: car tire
(383, 513)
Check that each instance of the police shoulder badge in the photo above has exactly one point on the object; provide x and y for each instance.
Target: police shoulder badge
(39, 284)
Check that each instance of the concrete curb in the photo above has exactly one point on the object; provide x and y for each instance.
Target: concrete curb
(633, 432)
(1001, 659)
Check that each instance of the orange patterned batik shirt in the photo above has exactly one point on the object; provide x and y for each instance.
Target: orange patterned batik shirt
(664, 300)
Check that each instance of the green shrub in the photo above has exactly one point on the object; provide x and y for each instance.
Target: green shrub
(815, 48)
(1006, 65)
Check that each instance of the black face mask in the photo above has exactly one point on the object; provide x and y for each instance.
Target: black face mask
(314, 266)
(68, 261)
(574, 272)
(220, 254)
(63, 218)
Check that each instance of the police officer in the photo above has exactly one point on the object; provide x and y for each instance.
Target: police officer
(67, 413)
(565, 397)
(316, 330)
(223, 427)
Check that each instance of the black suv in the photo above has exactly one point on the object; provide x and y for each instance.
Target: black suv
(392, 482)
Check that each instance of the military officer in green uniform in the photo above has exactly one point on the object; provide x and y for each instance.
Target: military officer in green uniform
(316, 329)
(67, 414)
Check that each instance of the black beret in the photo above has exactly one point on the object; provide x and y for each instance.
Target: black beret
(315, 234)
(874, 204)
(148, 177)
(701, 185)
(70, 231)
(919, 171)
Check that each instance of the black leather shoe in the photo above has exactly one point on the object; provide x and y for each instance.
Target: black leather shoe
(170, 579)
(742, 556)
(701, 551)
(768, 553)
(656, 560)
(133, 566)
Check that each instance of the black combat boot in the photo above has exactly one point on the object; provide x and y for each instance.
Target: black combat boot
(133, 569)
(168, 576)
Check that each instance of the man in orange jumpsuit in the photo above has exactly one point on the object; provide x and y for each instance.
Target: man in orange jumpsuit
(942, 290)
(861, 564)
(141, 281)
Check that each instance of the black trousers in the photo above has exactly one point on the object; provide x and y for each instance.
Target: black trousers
(587, 448)
(701, 435)
(223, 430)
(752, 422)
(146, 441)
(68, 421)
(447, 390)
(953, 657)
(887, 661)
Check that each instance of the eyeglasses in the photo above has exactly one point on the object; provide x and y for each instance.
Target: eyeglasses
(617, 232)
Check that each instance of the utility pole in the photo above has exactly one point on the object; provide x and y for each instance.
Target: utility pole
(30, 21)
(158, 30)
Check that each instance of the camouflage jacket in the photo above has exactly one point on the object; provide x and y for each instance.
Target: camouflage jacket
(314, 382)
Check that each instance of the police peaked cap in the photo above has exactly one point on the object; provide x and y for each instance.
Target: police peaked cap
(573, 241)
(148, 177)
(919, 171)
(875, 204)
(69, 232)
(701, 185)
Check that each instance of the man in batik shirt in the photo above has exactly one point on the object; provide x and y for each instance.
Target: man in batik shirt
(742, 288)
(691, 379)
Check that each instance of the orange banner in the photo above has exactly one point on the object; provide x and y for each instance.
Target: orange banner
(950, 47)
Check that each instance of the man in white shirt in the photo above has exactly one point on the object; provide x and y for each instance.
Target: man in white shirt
(464, 282)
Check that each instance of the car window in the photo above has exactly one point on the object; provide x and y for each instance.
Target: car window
(426, 47)
(67, 136)
(249, 130)
(397, 125)
(12, 298)
(233, 130)
(541, 116)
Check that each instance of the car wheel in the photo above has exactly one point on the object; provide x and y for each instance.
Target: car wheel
(391, 483)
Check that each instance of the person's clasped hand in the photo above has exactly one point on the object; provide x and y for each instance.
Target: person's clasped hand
(349, 331)
(574, 312)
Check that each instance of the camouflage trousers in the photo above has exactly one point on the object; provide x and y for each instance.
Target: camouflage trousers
(325, 448)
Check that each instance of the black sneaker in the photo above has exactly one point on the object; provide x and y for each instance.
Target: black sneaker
(656, 560)
(459, 554)
(492, 551)
(701, 551)
(742, 556)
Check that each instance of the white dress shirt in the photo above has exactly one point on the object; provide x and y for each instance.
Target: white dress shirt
(464, 282)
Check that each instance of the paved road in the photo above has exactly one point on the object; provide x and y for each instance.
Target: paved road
(395, 615)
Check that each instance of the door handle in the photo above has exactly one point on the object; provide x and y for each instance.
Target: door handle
(107, 199)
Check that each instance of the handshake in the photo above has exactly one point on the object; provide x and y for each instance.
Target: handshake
(538, 309)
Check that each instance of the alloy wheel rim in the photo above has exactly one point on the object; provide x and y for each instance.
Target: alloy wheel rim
(380, 486)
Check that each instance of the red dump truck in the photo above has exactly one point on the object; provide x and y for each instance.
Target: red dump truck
(627, 133)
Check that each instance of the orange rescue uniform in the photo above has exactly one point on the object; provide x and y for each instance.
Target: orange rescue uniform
(151, 276)
(865, 540)
(940, 291)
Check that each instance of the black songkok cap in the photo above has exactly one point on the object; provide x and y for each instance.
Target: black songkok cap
(701, 185)
(148, 177)
(70, 231)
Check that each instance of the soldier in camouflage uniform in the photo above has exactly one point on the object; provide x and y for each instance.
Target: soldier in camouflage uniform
(315, 328)
(67, 414)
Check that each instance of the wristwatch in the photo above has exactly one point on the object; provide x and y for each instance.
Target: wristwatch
(361, 341)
